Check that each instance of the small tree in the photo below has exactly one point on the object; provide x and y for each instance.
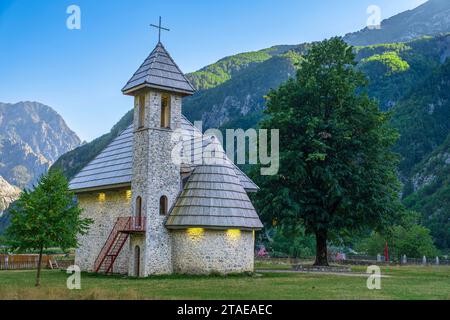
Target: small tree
(45, 217)
(337, 172)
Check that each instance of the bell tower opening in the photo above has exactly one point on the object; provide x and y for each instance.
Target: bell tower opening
(141, 111)
(165, 111)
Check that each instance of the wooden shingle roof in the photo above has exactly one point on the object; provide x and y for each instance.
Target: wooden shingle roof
(159, 71)
(112, 168)
(214, 198)
(196, 145)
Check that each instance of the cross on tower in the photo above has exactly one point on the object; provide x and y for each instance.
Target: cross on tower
(159, 27)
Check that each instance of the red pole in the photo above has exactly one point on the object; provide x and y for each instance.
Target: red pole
(386, 252)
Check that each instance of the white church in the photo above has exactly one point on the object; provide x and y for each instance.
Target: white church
(154, 215)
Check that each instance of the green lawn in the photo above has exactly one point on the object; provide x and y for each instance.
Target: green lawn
(402, 283)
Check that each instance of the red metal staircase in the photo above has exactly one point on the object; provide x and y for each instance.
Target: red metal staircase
(117, 238)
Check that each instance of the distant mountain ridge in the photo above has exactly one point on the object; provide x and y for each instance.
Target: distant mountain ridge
(32, 137)
(428, 19)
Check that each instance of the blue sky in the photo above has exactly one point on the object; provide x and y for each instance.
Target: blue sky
(80, 72)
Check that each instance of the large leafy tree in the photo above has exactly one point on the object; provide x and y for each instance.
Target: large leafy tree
(46, 217)
(337, 172)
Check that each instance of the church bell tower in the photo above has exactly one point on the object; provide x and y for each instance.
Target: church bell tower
(158, 87)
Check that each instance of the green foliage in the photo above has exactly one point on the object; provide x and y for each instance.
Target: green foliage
(4, 222)
(420, 102)
(422, 118)
(223, 70)
(336, 168)
(381, 48)
(421, 56)
(414, 241)
(387, 63)
(295, 57)
(435, 209)
(3, 241)
(249, 86)
(432, 200)
(292, 241)
(47, 216)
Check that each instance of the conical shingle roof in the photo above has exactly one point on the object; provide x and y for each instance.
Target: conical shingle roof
(214, 198)
(159, 71)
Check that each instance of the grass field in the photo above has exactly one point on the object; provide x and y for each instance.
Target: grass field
(401, 283)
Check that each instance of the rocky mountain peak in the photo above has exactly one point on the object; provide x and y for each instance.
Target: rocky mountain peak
(428, 19)
(32, 137)
(8, 194)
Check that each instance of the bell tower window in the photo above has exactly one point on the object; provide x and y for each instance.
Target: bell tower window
(165, 111)
(138, 209)
(163, 205)
(141, 106)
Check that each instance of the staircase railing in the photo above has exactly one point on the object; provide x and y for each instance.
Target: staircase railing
(122, 225)
(135, 224)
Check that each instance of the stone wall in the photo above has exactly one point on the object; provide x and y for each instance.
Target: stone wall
(104, 213)
(199, 251)
(155, 175)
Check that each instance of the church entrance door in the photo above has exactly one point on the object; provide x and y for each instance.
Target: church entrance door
(137, 261)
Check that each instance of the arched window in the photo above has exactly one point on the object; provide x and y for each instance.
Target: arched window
(165, 111)
(138, 209)
(141, 111)
(163, 205)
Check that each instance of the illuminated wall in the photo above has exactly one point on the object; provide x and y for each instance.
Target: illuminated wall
(203, 251)
(103, 208)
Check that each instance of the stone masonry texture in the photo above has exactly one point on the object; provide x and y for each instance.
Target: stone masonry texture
(105, 214)
(198, 251)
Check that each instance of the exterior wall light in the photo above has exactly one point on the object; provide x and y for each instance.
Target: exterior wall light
(102, 197)
(234, 234)
(195, 233)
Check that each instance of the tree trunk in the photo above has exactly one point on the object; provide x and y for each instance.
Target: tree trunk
(38, 275)
(321, 248)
